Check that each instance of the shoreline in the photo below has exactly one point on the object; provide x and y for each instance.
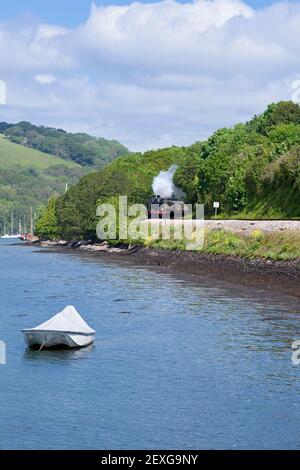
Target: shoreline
(281, 277)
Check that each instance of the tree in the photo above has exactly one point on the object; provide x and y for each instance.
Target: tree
(284, 112)
(47, 226)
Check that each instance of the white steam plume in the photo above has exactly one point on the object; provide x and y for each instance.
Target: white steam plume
(163, 184)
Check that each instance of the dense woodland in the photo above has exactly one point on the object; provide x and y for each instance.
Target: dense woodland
(253, 169)
(24, 188)
(73, 216)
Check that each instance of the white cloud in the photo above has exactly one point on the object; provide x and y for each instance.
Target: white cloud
(152, 74)
(46, 79)
(47, 32)
(167, 32)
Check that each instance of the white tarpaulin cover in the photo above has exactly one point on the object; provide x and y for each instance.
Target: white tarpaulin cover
(67, 320)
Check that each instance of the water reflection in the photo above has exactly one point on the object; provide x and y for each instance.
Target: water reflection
(58, 354)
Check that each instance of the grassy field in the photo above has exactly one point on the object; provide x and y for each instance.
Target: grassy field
(14, 154)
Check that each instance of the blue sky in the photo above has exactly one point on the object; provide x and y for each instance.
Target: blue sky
(72, 12)
(149, 75)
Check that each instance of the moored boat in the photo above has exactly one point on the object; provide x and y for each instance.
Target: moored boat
(12, 235)
(66, 328)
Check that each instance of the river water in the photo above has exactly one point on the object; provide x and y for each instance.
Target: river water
(176, 363)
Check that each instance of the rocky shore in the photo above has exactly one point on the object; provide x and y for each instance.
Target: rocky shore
(282, 277)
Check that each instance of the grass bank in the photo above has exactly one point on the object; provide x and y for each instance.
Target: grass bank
(277, 246)
(16, 155)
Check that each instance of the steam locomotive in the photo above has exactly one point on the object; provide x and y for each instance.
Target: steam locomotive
(164, 208)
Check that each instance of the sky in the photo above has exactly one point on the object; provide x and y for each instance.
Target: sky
(149, 74)
(73, 12)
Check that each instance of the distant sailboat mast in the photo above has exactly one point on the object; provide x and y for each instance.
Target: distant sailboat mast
(12, 234)
(31, 221)
(12, 224)
(22, 230)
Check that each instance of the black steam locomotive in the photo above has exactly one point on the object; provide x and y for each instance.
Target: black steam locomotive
(164, 208)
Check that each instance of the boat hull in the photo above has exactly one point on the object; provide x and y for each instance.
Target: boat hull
(52, 339)
(10, 237)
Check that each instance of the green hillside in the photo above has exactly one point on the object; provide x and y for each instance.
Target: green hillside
(28, 178)
(12, 154)
(81, 148)
(252, 169)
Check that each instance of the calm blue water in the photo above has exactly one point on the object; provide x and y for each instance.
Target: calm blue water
(176, 364)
